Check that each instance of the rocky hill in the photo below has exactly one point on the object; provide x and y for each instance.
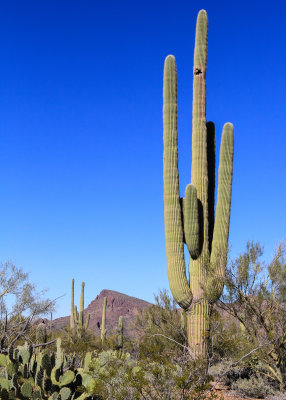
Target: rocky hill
(117, 304)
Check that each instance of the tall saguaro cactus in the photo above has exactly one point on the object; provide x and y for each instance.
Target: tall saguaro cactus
(191, 220)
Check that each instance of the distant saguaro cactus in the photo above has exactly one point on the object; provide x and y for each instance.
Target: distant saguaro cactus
(119, 344)
(81, 307)
(41, 333)
(191, 220)
(77, 318)
(103, 329)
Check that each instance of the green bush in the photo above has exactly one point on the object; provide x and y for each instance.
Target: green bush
(117, 376)
(255, 386)
(161, 335)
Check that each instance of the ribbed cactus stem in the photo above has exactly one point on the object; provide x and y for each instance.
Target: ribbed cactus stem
(75, 313)
(174, 234)
(191, 220)
(198, 328)
(81, 307)
(199, 171)
(72, 306)
(103, 329)
(221, 227)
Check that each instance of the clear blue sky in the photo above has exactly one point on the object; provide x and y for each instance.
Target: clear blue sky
(81, 133)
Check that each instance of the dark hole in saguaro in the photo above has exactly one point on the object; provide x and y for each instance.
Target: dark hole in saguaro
(197, 71)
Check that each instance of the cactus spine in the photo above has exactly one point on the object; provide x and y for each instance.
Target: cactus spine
(191, 220)
(103, 329)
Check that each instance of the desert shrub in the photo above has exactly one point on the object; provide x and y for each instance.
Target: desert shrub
(161, 334)
(117, 376)
(255, 386)
(72, 343)
(255, 296)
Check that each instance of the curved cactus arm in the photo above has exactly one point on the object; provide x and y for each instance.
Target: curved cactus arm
(174, 235)
(221, 228)
(191, 221)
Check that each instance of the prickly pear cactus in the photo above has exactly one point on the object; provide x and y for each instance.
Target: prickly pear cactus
(43, 375)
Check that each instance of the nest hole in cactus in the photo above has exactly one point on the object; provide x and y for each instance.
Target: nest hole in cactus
(197, 71)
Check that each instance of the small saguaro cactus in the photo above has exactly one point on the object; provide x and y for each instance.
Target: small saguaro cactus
(119, 344)
(41, 333)
(102, 328)
(191, 220)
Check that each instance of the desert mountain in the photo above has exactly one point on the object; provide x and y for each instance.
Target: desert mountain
(117, 304)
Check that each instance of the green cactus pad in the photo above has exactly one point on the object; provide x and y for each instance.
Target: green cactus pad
(39, 377)
(55, 375)
(85, 378)
(24, 355)
(4, 383)
(87, 361)
(46, 364)
(36, 395)
(27, 389)
(66, 378)
(65, 393)
(54, 396)
(3, 360)
(12, 368)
